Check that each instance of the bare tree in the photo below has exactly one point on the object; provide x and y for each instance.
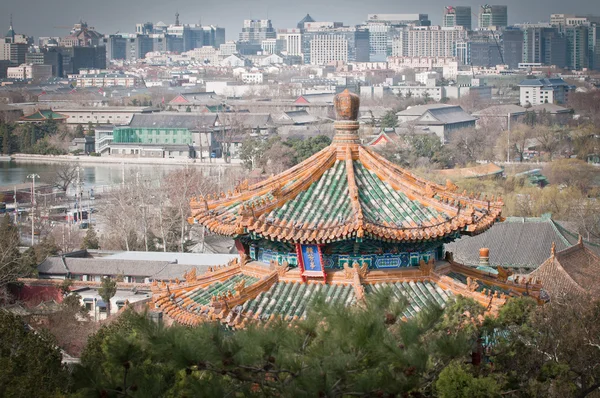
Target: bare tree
(232, 128)
(66, 174)
(11, 266)
(119, 216)
(181, 186)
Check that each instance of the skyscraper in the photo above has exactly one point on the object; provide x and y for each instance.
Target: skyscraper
(400, 19)
(457, 16)
(493, 16)
(433, 41)
(577, 47)
(255, 31)
(292, 41)
(544, 45)
(512, 47)
(348, 44)
(594, 46)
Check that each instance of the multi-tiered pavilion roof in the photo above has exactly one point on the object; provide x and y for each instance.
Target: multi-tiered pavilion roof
(345, 222)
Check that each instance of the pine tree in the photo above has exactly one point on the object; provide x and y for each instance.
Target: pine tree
(107, 290)
(389, 120)
(31, 362)
(5, 138)
(90, 241)
(366, 350)
(79, 133)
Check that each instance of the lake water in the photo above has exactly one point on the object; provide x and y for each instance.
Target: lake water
(92, 175)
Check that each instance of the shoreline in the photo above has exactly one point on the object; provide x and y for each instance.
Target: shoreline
(19, 157)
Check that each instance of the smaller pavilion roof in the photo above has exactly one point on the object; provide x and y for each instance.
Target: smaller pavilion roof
(572, 270)
(247, 292)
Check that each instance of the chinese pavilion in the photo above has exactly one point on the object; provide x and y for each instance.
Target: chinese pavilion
(345, 222)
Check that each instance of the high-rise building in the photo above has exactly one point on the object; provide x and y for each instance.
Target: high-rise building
(485, 49)
(129, 47)
(594, 46)
(562, 21)
(13, 46)
(577, 47)
(348, 44)
(400, 19)
(385, 33)
(228, 48)
(271, 46)
(82, 35)
(433, 41)
(400, 43)
(292, 41)
(77, 58)
(380, 41)
(306, 19)
(457, 16)
(255, 31)
(491, 17)
(161, 37)
(512, 47)
(544, 45)
(46, 57)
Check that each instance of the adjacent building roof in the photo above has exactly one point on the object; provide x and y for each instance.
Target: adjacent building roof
(553, 109)
(572, 270)
(515, 243)
(248, 120)
(43, 115)
(551, 83)
(198, 259)
(446, 115)
(383, 138)
(174, 120)
(151, 265)
(324, 98)
(421, 109)
(501, 110)
(301, 117)
(367, 113)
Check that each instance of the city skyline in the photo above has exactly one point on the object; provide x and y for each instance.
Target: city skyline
(51, 18)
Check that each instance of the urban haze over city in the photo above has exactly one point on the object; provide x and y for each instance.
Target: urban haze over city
(299, 199)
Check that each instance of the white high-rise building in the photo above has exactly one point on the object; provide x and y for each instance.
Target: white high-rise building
(292, 41)
(269, 46)
(327, 48)
(257, 30)
(228, 48)
(433, 41)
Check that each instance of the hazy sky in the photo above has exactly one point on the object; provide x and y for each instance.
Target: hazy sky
(40, 17)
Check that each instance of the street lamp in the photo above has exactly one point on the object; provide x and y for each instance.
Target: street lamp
(33, 177)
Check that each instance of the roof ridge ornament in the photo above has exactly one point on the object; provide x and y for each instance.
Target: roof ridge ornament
(346, 125)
